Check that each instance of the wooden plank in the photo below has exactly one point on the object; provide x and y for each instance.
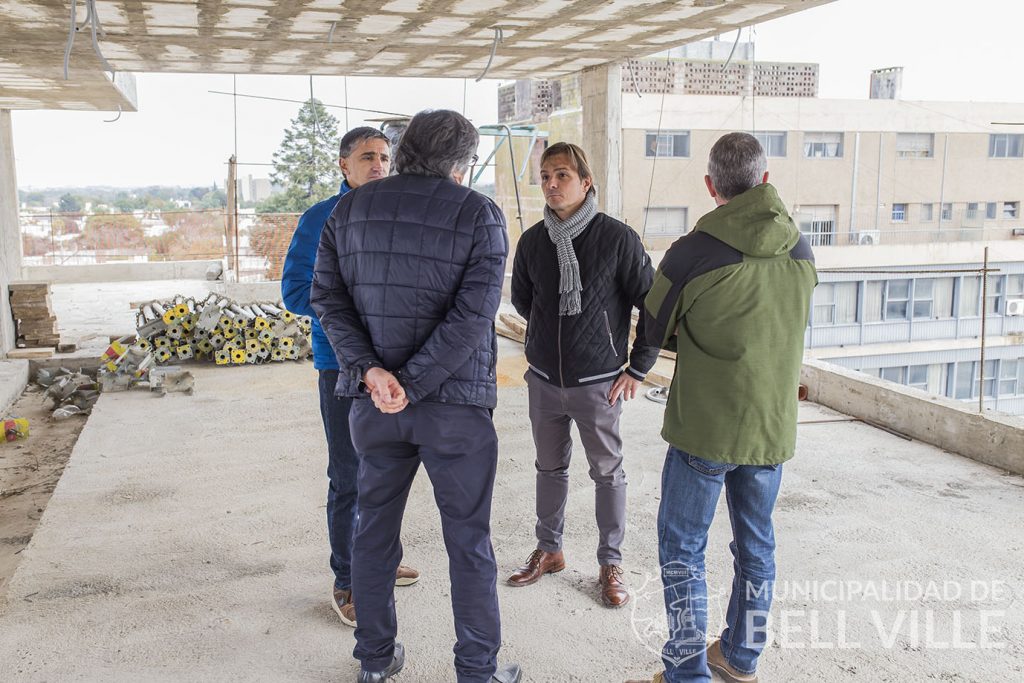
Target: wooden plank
(29, 354)
(29, 285)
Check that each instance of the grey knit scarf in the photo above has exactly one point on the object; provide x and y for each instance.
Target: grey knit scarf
(562, 234)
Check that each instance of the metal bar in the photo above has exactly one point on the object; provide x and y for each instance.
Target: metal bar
(515, 181)
(476, 178)
(984, 319)
(529, 153)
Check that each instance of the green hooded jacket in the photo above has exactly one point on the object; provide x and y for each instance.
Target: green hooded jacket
(732, 299)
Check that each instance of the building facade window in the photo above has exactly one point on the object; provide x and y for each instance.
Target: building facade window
(994, 295)
(823, 145)
(1006, 145)
(1011, 373)
(1011, 209)
(966, 385)
(897, 299)
(972, 211)
(666, 221)
(773, 142)
(970, 296)
(899, 213)
(927, 213)
(947, 211)
(991, 210)
(835, 303)
(675, 143)
(915, 145)
(897, 374)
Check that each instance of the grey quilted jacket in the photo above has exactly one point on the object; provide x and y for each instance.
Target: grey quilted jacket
(408, 277)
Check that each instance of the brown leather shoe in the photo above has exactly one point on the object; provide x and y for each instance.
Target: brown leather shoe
(539, 563)
(406, 576)
(613, 588)
(721, 666)
(341, 601)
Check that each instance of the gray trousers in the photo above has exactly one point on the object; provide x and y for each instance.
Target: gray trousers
(552, 411)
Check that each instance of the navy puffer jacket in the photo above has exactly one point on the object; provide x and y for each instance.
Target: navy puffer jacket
(408, 277)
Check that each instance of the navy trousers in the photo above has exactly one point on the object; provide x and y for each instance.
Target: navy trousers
(459, 450)
(342, 467)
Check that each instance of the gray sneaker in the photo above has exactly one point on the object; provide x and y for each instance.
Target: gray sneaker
(510, 673)
(397, 662)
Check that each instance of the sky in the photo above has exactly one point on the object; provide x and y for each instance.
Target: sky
(183, 134)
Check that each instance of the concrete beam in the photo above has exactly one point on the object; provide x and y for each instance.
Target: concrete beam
(602, 133)
(122, 272)
(10, 232)
(991, 438)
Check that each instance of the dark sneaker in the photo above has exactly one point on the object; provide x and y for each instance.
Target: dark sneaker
(397, 662)
(341, 601)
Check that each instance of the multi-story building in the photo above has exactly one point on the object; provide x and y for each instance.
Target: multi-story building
(862, 178)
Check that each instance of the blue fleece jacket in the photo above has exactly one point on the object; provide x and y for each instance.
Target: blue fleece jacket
(297, 276)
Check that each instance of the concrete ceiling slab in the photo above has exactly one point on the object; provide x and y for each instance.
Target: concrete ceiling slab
(433, 38)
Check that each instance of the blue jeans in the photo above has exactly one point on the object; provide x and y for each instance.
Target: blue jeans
(342, 467)
(690, 487)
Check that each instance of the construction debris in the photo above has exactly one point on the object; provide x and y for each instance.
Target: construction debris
(35, 322)
(72, 393)
(15, 428)
(222, 330)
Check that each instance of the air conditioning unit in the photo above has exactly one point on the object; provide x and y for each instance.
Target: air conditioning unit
(1017, 232)
(867, 237)
(1015, 307)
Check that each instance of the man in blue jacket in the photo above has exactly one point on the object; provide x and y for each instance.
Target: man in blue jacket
(364, 155)
(406, 285)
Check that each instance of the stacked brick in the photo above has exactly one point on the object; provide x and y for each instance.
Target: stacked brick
(32, 310)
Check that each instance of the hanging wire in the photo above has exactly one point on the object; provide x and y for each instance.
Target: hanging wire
(499, 36)
(657, 141)
(71, 40)
(632, 77)
(728, 61)
(322, 104)
(116, 117)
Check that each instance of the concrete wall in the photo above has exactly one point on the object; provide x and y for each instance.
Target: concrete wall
(992, 438)
(121, 272)
(10, 233)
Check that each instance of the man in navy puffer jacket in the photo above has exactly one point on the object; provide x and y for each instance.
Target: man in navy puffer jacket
(363, 155)
(407, 283)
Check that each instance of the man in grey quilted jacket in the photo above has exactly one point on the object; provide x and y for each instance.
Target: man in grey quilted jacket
(406, 286)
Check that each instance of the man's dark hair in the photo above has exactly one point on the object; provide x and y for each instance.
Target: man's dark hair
(436, 143)
(355, 136)
(736, 164)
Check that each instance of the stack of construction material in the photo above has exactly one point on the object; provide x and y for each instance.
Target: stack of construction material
(222, 330)
(33, 314)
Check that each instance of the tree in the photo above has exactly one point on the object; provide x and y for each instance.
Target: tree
(112, 231)
(306, 163)
(69, 203)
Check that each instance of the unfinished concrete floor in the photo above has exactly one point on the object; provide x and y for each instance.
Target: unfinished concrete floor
(186, 541)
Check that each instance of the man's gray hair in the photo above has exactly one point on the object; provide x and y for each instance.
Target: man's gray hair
(355, 136)
(736, 164)
(437, 142)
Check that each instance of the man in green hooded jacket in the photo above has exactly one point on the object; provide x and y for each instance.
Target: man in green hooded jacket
(732, 299)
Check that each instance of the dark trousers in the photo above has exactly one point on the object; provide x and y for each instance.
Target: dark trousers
(342, 466)
(459, 450)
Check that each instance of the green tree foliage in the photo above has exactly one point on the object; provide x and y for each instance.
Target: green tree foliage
(69, 203)
(306, 163)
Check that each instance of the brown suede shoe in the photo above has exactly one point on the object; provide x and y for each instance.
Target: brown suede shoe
(341, 601)
(721, 666)
(406, 576)
(658, 678)
(613, 589)
(539, 563)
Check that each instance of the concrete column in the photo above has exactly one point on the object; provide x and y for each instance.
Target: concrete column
(602, 133)
(10, 232)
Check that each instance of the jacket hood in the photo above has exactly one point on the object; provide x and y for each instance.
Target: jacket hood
(755, 223)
